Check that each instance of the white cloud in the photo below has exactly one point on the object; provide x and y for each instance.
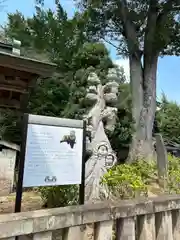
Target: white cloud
(124, 62)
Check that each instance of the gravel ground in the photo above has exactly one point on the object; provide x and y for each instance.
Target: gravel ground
(30, 201)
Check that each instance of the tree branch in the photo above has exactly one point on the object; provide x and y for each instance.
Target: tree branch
(150, 29)
(167, 7)
(109, 42)
(129, 29)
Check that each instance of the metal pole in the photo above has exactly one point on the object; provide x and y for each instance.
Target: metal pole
(19, 187)
(82, 185)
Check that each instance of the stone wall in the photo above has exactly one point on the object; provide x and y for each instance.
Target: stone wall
(7, 165)
(153, 218)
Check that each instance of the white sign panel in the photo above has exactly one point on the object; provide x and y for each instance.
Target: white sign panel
(53, 156)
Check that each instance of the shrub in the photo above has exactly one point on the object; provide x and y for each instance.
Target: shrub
(173, 174)
(59, 196)
(131, 180)
(124, 181)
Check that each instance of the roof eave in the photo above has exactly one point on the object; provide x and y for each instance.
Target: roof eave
(10, 145)
(36, 67)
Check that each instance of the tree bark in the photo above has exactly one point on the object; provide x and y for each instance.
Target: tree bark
(143, 82)
(143, 79)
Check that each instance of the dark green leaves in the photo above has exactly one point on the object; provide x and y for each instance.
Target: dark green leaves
(108, 19)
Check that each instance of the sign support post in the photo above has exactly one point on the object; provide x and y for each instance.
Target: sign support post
(82, 185)
(19, 187)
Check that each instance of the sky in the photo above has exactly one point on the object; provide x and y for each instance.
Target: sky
(168, 76)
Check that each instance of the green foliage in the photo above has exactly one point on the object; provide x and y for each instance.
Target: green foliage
(59, 196)
(124, 181)
(92, 57)
(50, 96)
(10, 125)
(49, 34)
(92, 54)
(124, 125)
(130, 25)
(174, 174)
(121, 137)
(55, 36)
(131, 180)
(17, 28)
(168, 118)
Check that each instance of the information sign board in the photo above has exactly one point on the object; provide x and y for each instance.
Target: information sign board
(53, 156)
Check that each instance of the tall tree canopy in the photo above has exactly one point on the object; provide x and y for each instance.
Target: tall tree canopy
(142, 30)
(49, 34)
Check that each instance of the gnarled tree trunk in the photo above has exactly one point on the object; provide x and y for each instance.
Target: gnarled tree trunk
(143, 78)
(143, 82)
